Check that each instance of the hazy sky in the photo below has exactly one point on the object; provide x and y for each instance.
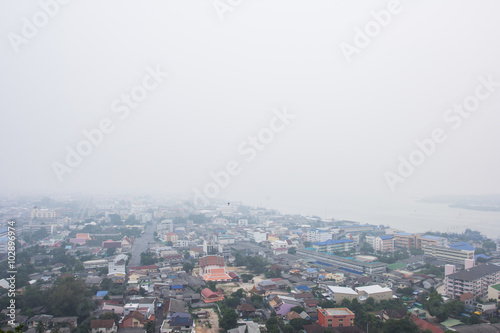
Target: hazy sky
(359, 101)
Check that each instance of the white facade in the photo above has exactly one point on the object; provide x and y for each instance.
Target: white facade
(118, 265)
(182, 243)
(317, 235)
(258, 236)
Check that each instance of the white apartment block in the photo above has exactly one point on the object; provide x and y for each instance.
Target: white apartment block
(318, 235)
(474, 280)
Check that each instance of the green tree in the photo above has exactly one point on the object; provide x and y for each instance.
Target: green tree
(397, 326)
(150, 326)
(69, 297)
(455, 308)
(408, 291)
(187, 267)
(292, 250)
(246, 277)
(40, 327)
(307, 244)
(212, 285)
(367, 248)
(229, 318)
(298, 323)
(297, 309)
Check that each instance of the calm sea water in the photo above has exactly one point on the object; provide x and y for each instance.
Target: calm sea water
(403, 214)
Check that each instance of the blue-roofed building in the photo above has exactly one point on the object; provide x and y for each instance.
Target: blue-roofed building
(483, 256)
(178, 322)
(334, 245)
(302, 289)
(101, 293)
(456, 253)
(429, 240)
(177, 287)
(462, 246)
(383, 243)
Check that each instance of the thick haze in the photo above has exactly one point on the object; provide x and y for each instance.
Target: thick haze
(225, 78)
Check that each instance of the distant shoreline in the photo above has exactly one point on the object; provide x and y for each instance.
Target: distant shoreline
(485, 203)
(480, 208)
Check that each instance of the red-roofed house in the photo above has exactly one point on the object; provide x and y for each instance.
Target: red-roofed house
(424, 325)
(210, 296)
(171, 237)
(134, 319)
(234, 276)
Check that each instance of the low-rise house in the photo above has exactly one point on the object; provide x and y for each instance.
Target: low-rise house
(133, 319)
(210, 296)
(246, 310)
(391, 314)
(468, 299)
(267, 285)
(178, 322)
(44, 318)
(103, 326)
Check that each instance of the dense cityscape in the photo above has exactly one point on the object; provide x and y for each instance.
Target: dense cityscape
(102, 264)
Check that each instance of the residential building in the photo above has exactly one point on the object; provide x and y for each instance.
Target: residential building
(474, 280)
(178, 322)
(318, 235)
(103, 326)
(337, 294)
(334, 245)
(42, 214)
(117, 265)
(171, 237)
(449, 255)
(376, 292)
(404, 240)
(258, 236)
(429, 240)
(181, 243)
(133, 319)
(335, 317)
(383, 243)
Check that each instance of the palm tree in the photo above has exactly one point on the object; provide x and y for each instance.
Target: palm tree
(40, 327)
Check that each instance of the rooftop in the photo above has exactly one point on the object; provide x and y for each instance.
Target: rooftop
(342, 290)
(475, 272)
(462, 246)
(338, 311)
(373, 289)
(334, 241)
